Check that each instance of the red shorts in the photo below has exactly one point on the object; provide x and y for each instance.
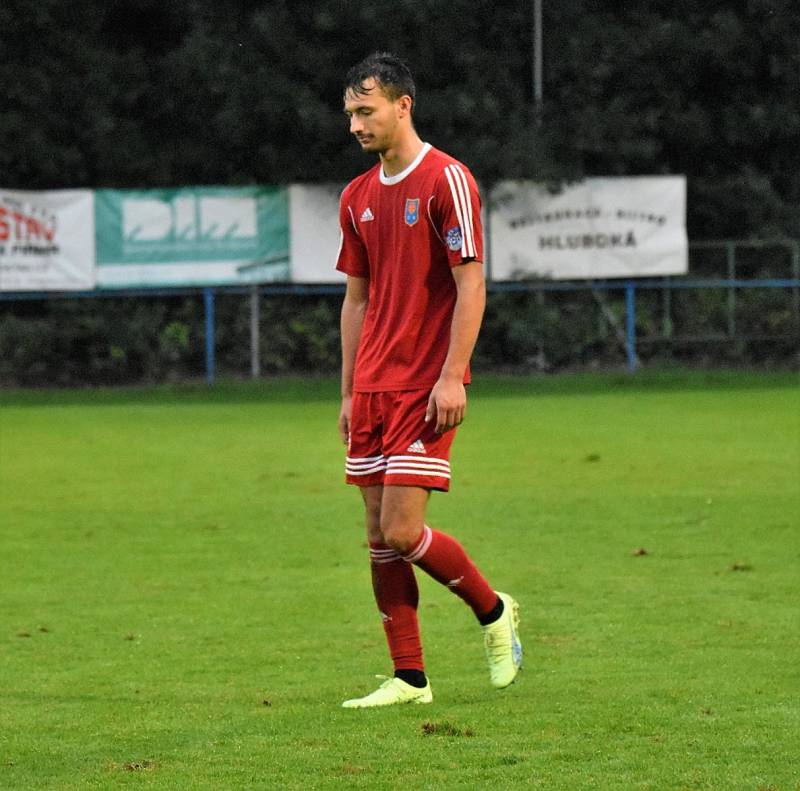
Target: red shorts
(390, 443)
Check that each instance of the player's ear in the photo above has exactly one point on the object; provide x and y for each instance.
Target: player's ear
(404, 104)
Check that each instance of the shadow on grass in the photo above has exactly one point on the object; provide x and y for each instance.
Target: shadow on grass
(316, 389)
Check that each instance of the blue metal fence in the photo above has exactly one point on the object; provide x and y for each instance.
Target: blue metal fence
(731, 283)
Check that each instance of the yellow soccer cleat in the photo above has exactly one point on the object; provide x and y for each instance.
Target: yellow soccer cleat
(393, 690)
(502, 644)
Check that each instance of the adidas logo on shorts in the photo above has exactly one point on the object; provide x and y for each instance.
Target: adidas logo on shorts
(416, 447)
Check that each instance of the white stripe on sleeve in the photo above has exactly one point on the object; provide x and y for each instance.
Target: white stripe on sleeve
(353, 221)
(341, 245)
(456, 204)
(463, 206)
(462, 177)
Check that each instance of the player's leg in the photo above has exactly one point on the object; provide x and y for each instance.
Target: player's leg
(438, 554)
(397, 597)
(396, 594)
(443, 558)
(393, 580)
(418, 460)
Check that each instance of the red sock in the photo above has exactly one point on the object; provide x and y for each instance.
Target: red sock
(445, 560)
(397, 596)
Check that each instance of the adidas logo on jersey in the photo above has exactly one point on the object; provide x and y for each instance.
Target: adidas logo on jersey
(416, 447)
(367, 215)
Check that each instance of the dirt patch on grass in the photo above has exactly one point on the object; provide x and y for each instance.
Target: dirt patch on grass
(445, 729)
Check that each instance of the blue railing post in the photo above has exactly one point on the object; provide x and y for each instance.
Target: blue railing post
(630, 324)
(208, 299)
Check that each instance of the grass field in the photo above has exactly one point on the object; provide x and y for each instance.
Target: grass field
(186, 597)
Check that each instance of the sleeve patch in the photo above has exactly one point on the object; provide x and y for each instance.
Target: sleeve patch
(454, 239)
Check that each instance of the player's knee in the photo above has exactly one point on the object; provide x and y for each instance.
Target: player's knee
(374, 534)
(400, 536)
(373, 521)
(373, 517)
(372, 514)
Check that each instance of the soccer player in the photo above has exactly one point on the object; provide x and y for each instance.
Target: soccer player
(412, 250)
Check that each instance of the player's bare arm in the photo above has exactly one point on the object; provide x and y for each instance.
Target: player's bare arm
(354, 308)
(448, 400)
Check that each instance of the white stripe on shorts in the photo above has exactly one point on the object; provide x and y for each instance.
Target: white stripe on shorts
(426, 473)
(422, 460)
(416, 465)
(365, 466)
(360, 462)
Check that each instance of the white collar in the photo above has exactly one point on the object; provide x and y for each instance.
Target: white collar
(389, 180)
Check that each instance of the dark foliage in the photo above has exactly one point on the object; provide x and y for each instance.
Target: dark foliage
(139, 93)
(133, 341)
(146, 93)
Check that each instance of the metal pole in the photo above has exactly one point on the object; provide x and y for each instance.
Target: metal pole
(795, 247)
(666, 319)
(541, 359)
(537, 60)
(255, 335)
(487, 239)
(630, 324)
(208, 299)
(731, 256)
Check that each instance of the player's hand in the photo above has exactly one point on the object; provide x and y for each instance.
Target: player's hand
(344, 418)
(447, 403)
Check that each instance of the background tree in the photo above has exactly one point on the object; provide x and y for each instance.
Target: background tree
(147, 93)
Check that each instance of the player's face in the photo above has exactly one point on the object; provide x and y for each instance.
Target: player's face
(374, 117)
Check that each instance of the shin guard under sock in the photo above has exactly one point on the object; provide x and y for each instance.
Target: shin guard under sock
(397, 597)
(445, 560)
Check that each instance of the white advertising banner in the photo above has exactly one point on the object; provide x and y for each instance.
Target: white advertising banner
(192, 236)
(314, 232)
(47, 240)
(598, 228)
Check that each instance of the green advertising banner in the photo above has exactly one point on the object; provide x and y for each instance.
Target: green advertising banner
(192, 236)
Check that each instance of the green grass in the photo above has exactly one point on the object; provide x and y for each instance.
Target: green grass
(186, 597)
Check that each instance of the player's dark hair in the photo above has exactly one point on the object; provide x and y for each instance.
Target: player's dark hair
(389, 72)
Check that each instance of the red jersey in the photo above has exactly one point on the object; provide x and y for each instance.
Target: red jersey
(404, 233)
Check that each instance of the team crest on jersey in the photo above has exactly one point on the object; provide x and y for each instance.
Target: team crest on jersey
(454, 241)
(412, 211)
